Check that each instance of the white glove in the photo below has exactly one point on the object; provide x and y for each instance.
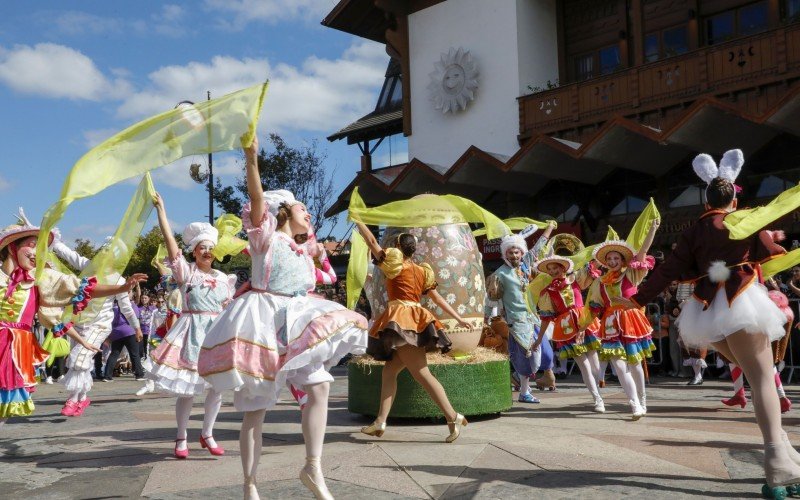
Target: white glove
(529, 230)
(56, 237)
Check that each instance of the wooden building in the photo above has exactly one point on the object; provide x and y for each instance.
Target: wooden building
(581, 110)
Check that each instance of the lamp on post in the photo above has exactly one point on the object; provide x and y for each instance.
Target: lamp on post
(196, 120)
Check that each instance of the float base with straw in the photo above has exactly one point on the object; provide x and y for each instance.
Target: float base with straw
(476, 384)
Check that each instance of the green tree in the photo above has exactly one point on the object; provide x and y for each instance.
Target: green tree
(301, 170)
(146, 247)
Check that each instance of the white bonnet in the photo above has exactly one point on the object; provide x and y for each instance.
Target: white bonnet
(275, 198)
(512, 241)
(196, 232)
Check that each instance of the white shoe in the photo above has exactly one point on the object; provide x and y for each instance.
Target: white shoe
(308, 474)
(636, 411)
(643, 403)
(48, 380)
(599, 406)
(60, 378)
(149, 386)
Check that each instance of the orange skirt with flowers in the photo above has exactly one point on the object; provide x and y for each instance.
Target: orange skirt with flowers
(626, 334)
(405, 323)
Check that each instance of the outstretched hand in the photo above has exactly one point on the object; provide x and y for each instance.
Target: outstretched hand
(252, 150)
(134, 279)
(158, 202)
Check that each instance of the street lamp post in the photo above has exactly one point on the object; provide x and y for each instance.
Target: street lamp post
(195, 167)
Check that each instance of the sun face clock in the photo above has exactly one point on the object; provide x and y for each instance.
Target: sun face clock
(454, 81)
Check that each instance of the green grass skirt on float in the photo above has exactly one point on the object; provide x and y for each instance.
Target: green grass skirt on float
(477, 384)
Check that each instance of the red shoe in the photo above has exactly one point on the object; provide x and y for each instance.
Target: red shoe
(218, 451)
(86, 402)
(601, 384)
(70, 407)
(180, 454)
(786, 405)
(738, 399)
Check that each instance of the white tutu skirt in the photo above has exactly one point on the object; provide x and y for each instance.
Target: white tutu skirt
(752, 311)
(262, 341)
(81, 360)
(172, 366)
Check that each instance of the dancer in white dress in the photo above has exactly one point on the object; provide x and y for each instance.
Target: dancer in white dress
(277, 333)
(172, 366)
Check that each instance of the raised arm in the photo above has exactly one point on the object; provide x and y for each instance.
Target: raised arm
(372, 243)
(254, 188)
(648, 240)
(166, 231)
(69, 255)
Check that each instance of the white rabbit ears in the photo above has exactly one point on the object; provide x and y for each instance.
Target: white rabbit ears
(729, 166)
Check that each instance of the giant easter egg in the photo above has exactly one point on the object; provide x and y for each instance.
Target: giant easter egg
(451, 250)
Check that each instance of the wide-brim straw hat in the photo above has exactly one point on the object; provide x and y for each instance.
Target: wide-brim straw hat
(541, 265)
(621, 247)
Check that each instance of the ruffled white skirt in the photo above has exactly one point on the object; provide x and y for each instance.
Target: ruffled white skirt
(172, 366)
(262, 341)
(752, 311)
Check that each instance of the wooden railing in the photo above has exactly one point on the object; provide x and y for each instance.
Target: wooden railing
(745, 63)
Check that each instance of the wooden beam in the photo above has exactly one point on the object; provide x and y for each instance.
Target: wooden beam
(636, 29)
(563, 73)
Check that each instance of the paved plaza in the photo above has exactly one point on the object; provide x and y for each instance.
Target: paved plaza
(122, 448)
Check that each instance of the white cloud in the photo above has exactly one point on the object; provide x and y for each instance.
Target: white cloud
(56, 71)
(176, 174)
(80, 23)
(320, 95)
(4, 183)
(269, 11)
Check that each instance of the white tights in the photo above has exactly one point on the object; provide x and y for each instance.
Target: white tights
(585, 366)
(637, 372)
(314, 422)
(626, 380)
(183, 410)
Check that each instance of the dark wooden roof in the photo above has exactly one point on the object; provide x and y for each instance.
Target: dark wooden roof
(358, 17)
(372, 126)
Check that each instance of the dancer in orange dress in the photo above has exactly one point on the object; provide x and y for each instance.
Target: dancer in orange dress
(406, 330)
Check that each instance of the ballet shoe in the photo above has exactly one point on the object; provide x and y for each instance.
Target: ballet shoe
(739, 398)
(320, 490)
(601, 384)
(249, 489)
(181, 454)
(786, 405)
(779, 468)
(643, 403)
(459, 422)
(216, 450)
(374, 429)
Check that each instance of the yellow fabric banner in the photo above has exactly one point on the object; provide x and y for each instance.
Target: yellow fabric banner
(782, 263)
(745, 222)
(158, 260)
(222, 124)
(421, 211)
(514, 224)
(112, 259)
(356, 269)
(228, 243)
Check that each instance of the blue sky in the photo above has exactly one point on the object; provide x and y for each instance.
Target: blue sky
(74, 72)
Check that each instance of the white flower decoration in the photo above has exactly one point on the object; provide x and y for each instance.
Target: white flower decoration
(478, 283)
(461, 309)
(472, 301)
(462, 281)
(444, 274)
(451, 298)
(451, 261)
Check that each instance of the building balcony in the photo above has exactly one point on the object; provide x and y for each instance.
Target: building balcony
(758, 71)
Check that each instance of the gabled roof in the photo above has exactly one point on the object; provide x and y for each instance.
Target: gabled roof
(708, 125)
(372, 126)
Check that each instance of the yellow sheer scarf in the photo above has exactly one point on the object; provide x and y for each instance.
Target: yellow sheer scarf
(217, 125)
(426, 211)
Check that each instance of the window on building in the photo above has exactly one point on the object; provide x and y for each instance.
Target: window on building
(665, 43)
(609, 59)
(584, 67)
(720, 27)
(741, 21)
(792, 12)
(652, 47)
(675, 41)
(753, 18)
(772, 185)
(688, 197)
(629, 205)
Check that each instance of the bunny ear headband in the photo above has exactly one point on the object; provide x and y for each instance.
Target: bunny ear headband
(729, 167)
